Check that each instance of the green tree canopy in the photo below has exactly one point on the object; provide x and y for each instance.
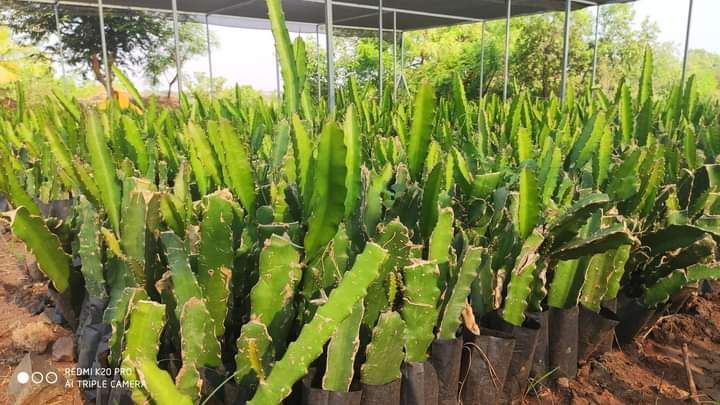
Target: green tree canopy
(134, 40)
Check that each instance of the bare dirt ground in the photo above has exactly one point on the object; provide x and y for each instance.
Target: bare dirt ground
(25, 326)
(652, 370)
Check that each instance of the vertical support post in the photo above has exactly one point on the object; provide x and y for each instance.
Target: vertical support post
(330, 54)
(402, 79)
(56, 8)
(687, 44)
(595, 46)
(317, 46)
(394, 55)
(506, 76)
(277, 79)
(176, 36)
(482, 60)
(209, 52)
(103, 43)
(566, 50)
(380, 49)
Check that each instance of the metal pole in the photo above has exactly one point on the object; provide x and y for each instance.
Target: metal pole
(209, 52)
(566, 50)
(687, 44)
(317, 46)
(380, 48)
(595, 47)
(330, 54)
(177, 46)
(277, 78)
(394, 54)
(482, 59)
(402, 63)
(60, 41)
(507, 50)
(103, 42)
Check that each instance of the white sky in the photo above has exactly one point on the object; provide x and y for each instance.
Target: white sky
(246, 56)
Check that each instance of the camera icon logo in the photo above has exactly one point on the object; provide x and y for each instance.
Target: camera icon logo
(37, 377)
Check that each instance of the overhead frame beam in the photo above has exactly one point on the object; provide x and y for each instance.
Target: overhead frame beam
(194, 15)
(400, 11)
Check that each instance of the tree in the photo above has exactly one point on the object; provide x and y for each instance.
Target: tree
(162, 60)
(538, 53)
(133, 39)
(23, 66)
(13, 58)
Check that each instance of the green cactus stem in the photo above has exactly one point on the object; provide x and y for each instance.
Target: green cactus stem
(195, 322)
(384, 354)
(272, 297)
(523, 274)
(420, 312)
(116, 315)
(395, 238)
(45, 245)
(216, 256)
(440, 242)
(147, 319)
(341, 352)
(456, 302)
(255, 355)
(184, 287)
(158, 383)
(309, 345)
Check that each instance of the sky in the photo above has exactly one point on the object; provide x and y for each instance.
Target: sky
(247, 56)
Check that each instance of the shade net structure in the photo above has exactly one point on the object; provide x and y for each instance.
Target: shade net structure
(353, 16)
(411, 14)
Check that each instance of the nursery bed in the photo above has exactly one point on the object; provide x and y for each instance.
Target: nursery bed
(650, 370)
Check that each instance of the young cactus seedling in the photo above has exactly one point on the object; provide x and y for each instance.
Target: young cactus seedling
(272, 297)
(455, 305)
(309, 345)
(384, 354)
(420, 312)
(341, 352)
